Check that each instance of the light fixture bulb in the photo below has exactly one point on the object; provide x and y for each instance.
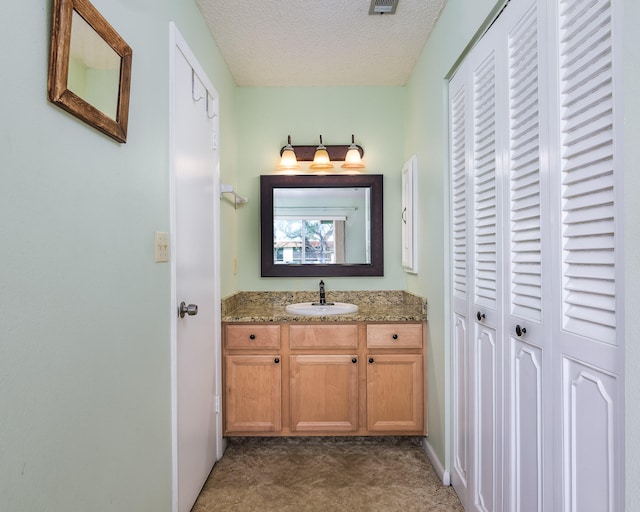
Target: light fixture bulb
(321, 159)
(353, 159)
(288, 160)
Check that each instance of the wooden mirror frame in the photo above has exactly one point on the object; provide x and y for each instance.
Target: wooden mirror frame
(271, 269)
(59, 68)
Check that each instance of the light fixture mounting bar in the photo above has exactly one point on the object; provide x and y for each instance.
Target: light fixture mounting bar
(336, 152)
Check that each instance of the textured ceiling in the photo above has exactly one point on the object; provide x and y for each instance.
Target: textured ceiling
(325, 43)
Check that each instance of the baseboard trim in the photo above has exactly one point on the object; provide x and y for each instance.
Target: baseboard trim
(444, 474)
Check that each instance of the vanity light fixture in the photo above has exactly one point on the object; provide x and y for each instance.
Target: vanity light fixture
(353, 159)
(321, 158)
(288, 160)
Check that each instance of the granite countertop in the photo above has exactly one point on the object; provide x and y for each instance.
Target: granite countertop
(373, 306)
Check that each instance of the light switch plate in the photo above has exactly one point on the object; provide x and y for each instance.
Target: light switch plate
(162, 246)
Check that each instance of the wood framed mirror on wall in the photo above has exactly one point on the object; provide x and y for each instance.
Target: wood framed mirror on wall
(319, 226)
(89, 68)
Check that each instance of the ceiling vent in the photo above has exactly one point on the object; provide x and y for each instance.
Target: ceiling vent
(383, 6)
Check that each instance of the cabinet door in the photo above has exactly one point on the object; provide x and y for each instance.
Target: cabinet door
(253, 393)
(324, 393)
(409, 216)
(395, 393)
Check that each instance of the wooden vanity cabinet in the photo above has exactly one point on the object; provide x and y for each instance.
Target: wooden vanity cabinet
(395, 383)
(252, 379)
(324, 384)
(324, 379)
(324, 393)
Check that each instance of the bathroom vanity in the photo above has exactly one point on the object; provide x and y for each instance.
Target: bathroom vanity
(356, 374)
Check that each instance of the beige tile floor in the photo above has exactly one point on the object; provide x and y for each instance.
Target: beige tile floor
(325, 474)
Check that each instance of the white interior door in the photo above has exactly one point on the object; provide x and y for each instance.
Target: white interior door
(588, 257)
(534, 109)
(528, 473)
(195, 201)
(487, 347)
(459, 128)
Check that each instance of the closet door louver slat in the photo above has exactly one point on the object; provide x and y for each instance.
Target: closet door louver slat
(524, 170)
(484, 183)
(459, 196)
(588, 214)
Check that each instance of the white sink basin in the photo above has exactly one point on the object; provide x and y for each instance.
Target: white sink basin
(308, 309)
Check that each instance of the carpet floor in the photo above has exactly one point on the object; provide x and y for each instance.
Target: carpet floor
(325, 474)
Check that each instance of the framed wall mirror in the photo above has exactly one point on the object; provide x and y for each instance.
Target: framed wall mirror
(89, 68)
(319, 226)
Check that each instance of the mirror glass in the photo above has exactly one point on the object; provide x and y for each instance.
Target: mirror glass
(321, 225)
(94, 68)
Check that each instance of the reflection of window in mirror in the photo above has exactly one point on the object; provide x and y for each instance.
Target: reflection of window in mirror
(94, 68)
(321, 225)
(308, 240)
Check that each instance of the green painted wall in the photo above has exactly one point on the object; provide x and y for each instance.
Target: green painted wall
(267, 115)
(426, 136)
(84, 324)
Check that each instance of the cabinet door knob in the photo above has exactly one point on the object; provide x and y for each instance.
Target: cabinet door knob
(371, 360)
(276, 360)
(520, 330)
(354, 360)
(252, 336)
(394, 336)
(480, 316)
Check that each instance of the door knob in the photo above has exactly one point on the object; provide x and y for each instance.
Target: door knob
(520, 330)
(191, 309)
(480, 316)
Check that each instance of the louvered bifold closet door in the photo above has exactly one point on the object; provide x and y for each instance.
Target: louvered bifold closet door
(528, 366)
(587, 328)
(487, 349)
(459, 128)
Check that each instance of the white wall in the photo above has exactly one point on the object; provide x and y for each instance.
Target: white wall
(85, 421)
(631, 108)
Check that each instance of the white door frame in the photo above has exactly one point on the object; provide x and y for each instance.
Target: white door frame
(176, 40)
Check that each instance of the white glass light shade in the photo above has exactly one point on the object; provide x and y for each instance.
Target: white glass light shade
(353, 160)
(288, 159)
(321, 159)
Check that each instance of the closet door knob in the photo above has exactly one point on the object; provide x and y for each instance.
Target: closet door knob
(191, 309)
(276, 360)
(371, 360)
(520, 330)
(354, 360)
(480, 316)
